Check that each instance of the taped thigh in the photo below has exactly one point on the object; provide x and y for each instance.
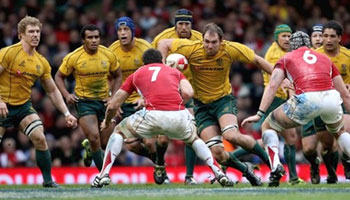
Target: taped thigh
(215, 141)
(229, 127)
(32, 126)
(274, 123)
(335, 129)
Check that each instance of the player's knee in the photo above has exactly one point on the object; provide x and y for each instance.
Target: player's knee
(163, 141)
(218, 153)
(39, 141)
(308, 149)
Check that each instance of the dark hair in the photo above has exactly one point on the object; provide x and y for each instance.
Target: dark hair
(89, 27)
(334, 25)
(212, 27)
(152, 56)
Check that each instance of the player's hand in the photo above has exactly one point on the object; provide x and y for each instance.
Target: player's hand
(71, 121)
(71, 99)
(286, 85)
(104, 125)
(254, 118)
(140, 103)
(119, 113)
(3, 110)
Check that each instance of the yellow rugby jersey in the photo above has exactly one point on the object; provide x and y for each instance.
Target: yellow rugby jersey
(170, 33)
(341, 61)
(130, 61)
(21, 71)
(90, 71)
(273, 54)
(211, 74)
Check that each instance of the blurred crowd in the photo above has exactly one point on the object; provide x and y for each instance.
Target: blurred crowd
(250, 22)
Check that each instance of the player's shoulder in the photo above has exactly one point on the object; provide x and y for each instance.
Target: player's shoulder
(12, 48)
(139, 42)
(76, 53)
(167, 33)
(345, 51)
(196, 35)
(115, 45)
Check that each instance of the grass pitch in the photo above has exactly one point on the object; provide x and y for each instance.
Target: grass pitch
(179, 191)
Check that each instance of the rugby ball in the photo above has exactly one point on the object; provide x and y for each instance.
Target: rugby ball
(177, 60)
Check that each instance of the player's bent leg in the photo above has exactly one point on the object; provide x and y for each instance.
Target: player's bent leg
(270, 138)
(309, 145)
(229, 130)
(32, 127)
(290, 136)
(160, 176)
(114, 147)
(89, 124)
(139, 147)
(345, 157)
(330, 156)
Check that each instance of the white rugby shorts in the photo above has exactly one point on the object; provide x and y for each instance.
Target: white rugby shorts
(305, 107)
(148, 123)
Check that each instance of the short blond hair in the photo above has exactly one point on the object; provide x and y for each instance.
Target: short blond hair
(27, 20)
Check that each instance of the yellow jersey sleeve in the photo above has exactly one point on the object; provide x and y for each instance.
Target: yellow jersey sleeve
(47, 69)
(67, 65)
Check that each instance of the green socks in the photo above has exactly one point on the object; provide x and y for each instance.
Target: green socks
(240, 152)
(289, 156)
(98, 158)
(312, 160)
(258, 150)
(160, 154)
(330, 159)
(191, 159)
(235, 163)
(43, 160)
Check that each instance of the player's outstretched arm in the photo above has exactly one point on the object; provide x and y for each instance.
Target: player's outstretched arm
(263, 64)
(117, 100)
(164, 47)
(56, 98)
(268, 96)
(59, 78)
(186, 90)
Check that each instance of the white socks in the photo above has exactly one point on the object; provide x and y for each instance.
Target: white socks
(271, 142)
(203, 152)
(114, 146)
(344, 143)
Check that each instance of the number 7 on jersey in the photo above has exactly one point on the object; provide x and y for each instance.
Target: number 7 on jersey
(155, 73)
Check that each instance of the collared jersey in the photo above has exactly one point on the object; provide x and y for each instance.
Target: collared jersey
(341, 61)
(170, 33)
(90, 71)
(21, 71)
(130, 61)
(273, 54)
(159, 85)
(308, 70)
(211, 73)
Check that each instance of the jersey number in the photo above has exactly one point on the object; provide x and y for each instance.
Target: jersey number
(155, 73)
(309, 58)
